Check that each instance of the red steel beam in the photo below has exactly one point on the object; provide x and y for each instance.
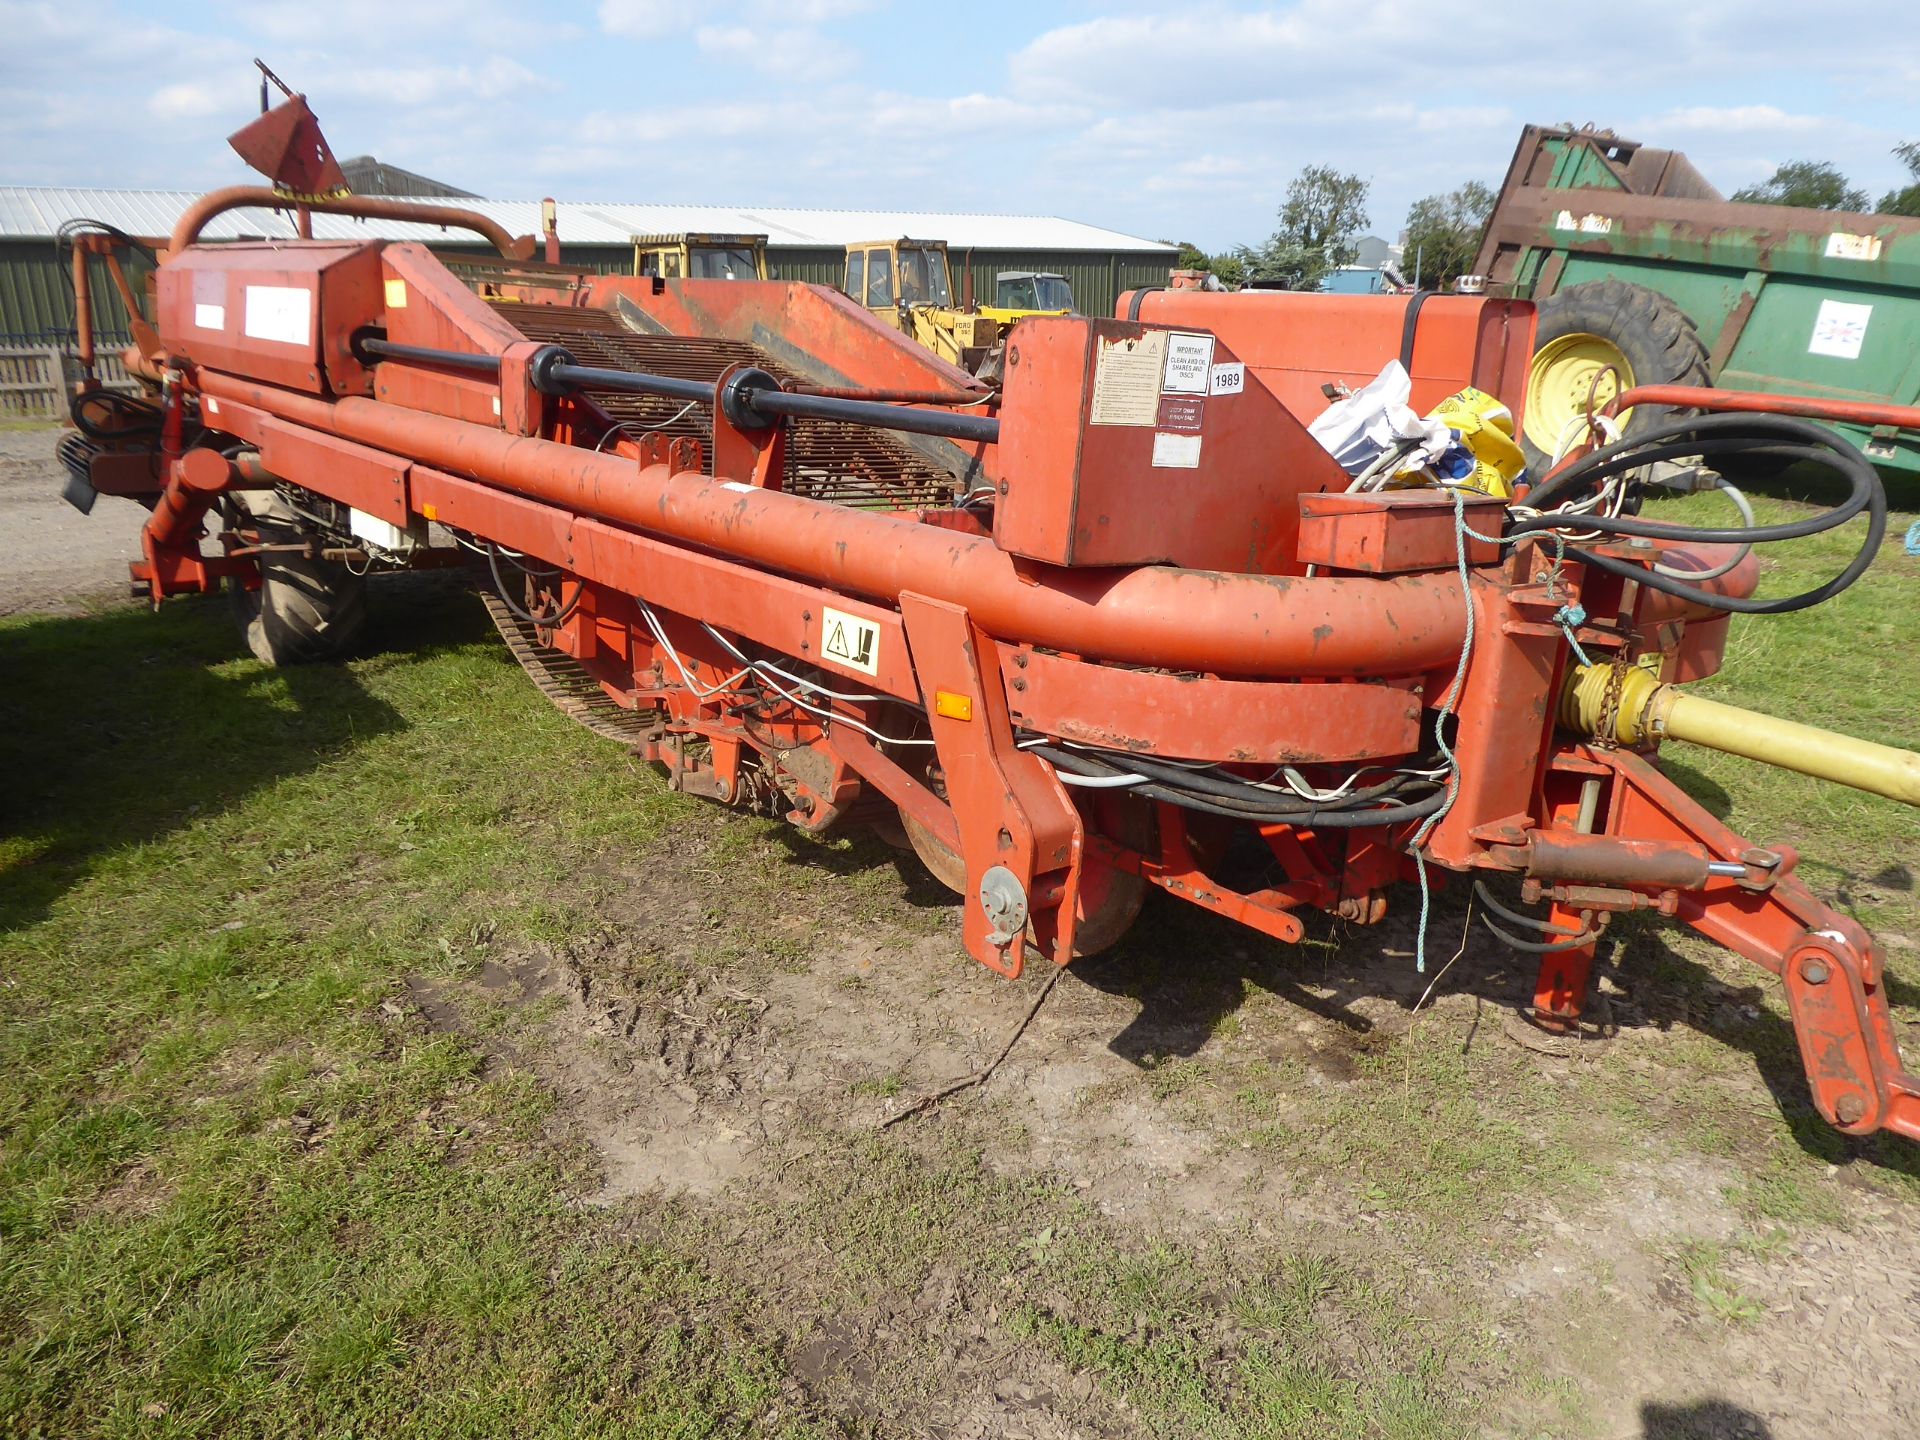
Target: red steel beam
(1151, 615)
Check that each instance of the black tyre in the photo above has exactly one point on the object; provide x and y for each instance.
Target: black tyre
(305, 610)
(1585, 328)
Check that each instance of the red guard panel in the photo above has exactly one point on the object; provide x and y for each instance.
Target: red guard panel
(1127, 444)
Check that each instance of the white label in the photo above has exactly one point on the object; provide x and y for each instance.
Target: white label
(1840, 330)
(1583, 224)
(210, 405)
(1189, 358)
(736, 485)
(1842, 246)
(279, 312)
(1175, 452)
(209, 317)
(1228, 379)
(1126, 380)
(850, 641)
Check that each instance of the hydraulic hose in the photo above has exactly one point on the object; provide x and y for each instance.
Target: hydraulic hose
(1713, 435)
(1306, 813)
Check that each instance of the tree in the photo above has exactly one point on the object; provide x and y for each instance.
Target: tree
(1905, 201)
(1443, 234)
(1810, 184)
(1324, 210)
(1224, 267)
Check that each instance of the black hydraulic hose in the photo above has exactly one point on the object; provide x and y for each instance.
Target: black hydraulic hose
(1306, 816)
(543, 621)
(1234, 787)
(1686, 436)
(1721, 434)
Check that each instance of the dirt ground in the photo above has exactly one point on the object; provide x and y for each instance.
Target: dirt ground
(1622, 1237)
(1646, 1301)
(56, 558)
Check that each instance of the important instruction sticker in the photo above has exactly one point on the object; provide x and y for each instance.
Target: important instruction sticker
(1840, 329)
(1126, 380)
(1189, 361)
(850, 641)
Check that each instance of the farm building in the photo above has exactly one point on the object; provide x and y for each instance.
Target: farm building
(36, 304)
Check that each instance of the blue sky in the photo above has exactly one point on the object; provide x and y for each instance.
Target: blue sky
(1180, 126)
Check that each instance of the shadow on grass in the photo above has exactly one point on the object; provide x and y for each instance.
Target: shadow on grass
(119, 728)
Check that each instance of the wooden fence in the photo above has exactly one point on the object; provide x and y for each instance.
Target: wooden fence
(36, 380)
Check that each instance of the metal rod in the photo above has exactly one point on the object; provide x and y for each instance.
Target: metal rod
(632, 382)
(886, 417)
(765, 400)
(421, 354)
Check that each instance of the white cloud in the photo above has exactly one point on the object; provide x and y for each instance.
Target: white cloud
(647, 19)
(1110, 111)
(189, 100)
(781, 52)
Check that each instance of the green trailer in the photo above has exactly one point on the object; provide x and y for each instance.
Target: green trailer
(1645, 275)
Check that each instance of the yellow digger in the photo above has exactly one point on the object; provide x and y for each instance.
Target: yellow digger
(701, 257)
(909, 282)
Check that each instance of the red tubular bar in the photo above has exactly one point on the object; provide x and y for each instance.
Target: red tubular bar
(1153, 615)
(365, 207)
(1702, 397)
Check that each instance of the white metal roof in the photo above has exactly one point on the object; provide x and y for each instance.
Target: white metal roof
(35, 212)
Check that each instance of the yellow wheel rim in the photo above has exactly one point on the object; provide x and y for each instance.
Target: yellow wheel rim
(1567, 375)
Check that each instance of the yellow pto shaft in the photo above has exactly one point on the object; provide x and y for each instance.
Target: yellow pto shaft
(1641, 709)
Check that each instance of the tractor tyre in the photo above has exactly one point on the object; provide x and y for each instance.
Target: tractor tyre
(1583, 331)
(305, 611)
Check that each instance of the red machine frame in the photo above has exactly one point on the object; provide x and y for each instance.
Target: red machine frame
(686, 578)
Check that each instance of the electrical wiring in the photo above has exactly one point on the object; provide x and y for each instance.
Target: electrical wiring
(703, 692)
(761, 668)
(1745, 507)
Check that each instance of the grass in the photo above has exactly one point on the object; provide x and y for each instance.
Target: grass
(246, 1190)
(237, 1194)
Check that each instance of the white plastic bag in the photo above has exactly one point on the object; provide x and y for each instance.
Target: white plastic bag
(1356, 431)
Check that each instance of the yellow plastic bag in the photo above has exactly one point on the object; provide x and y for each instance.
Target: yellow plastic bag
(1485, 428)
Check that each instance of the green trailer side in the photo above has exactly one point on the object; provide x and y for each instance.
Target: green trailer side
(1786, 301)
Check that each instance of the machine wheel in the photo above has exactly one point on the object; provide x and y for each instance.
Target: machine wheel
(305, 610)
(1110, 899)
(1583, 330)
